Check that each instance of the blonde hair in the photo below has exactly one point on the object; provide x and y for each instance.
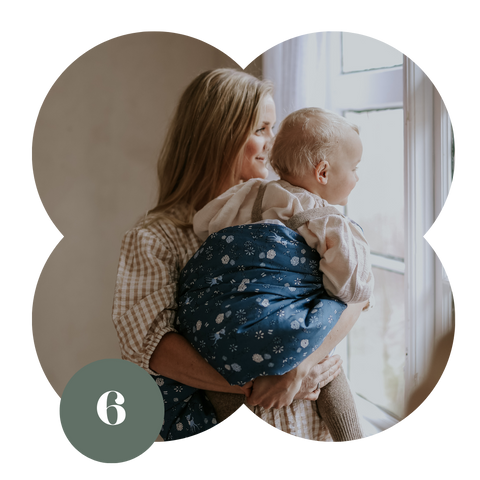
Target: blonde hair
(306, 137)
(202, 150)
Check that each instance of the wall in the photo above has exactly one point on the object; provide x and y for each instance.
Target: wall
(95, 148)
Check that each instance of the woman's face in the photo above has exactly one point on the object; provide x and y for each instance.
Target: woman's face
(255, 154)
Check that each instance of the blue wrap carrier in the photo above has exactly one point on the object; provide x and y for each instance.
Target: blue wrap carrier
(252, 302)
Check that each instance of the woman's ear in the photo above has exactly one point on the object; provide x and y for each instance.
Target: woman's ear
(321, 172)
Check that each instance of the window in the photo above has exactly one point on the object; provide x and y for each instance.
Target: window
(360, 53)
(377, 343)
(406, 177)
(368, 90)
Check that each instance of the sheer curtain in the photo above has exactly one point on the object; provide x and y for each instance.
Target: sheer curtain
(298, 70)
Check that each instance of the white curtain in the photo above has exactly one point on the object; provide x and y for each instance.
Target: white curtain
(298, 69)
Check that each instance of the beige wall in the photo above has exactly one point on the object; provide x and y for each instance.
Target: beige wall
(95, 149)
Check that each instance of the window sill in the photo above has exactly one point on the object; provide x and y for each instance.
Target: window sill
(373, 419)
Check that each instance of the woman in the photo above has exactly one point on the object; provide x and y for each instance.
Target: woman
(219, 136)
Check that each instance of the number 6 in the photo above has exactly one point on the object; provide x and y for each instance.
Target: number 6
(102, 408)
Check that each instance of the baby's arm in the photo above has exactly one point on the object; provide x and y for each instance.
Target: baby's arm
(345, 257)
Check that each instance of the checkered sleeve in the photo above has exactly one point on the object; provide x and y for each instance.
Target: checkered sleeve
(145, 294)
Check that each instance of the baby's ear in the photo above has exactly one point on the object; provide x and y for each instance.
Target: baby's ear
(321, 172)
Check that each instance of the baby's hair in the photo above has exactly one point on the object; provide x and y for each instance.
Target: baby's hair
(306, 137)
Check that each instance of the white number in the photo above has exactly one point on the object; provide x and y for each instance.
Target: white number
(102, 408)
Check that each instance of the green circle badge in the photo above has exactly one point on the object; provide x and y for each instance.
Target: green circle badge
(111, 410)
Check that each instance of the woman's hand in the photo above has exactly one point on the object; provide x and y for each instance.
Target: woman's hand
(319, 376)
(247, 389)
(277, 391)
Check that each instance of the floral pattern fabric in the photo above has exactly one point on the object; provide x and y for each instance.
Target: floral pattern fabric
(252, 302)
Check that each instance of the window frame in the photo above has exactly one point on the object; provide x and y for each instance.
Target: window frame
(428, 158)
(419, 261)
(444, 165)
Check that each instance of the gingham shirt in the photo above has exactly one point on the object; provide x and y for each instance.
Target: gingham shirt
(144, 309)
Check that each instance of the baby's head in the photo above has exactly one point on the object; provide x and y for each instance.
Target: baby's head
(319, 151)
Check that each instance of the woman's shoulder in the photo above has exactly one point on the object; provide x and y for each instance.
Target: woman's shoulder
(162, 230)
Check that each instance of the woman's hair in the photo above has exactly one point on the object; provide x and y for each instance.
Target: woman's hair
(305, 138)
(203, 148)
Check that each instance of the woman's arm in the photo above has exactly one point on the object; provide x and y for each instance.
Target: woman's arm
(144, 309)
(175, 358)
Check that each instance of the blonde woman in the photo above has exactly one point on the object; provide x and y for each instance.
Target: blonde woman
(219, 136)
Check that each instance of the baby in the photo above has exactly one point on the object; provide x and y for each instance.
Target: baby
(316, 154)
(279, 264)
